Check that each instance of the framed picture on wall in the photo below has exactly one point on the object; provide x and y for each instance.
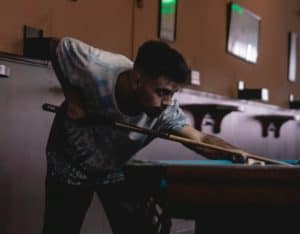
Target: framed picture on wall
(243, 33)
(292, 60)
(167, 20)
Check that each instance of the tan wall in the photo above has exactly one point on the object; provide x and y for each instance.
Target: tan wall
(105, 24)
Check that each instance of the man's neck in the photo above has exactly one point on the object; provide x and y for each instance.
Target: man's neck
(124, 92)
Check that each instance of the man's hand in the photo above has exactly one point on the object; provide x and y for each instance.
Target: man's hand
(75, 111)
(240, 157)
(74, 105)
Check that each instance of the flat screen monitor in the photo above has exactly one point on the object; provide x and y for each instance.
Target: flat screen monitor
(243, 33)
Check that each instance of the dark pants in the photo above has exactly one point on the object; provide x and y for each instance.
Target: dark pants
(66, 206)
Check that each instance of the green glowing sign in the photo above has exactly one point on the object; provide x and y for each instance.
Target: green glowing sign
(168, 6)
(235, 7)
(169, 1)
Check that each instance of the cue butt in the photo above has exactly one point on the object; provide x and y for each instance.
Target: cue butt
(50, 107)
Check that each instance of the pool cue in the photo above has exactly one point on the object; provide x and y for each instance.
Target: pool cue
(176, 138)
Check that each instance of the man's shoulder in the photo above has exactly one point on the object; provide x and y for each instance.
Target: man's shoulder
(171, 114)
(172, 110)
(113, 59)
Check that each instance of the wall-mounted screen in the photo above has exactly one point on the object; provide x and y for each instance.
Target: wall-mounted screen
(243, 33)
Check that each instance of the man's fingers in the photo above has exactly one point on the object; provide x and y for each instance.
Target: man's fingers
(75, 112)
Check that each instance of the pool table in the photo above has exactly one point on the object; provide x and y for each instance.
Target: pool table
(223, 197)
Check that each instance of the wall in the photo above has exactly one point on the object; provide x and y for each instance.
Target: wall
(105, 24)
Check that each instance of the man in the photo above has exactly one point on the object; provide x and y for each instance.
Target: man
(82, 157)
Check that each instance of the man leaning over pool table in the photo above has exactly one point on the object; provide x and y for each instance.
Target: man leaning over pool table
(87, 158)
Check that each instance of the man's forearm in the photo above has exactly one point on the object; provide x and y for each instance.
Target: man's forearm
(214, 154)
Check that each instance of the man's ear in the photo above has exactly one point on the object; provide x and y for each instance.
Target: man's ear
(136, 79)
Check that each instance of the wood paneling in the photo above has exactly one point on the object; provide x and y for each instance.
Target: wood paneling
(104, 24)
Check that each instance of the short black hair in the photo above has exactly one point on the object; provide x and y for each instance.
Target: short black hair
(156, 58)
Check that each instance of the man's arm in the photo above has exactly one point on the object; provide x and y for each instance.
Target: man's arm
(192, 133)
(74, 104)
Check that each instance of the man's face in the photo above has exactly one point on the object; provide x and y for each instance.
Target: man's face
(155, 95)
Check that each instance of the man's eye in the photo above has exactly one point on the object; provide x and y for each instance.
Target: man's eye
(162, 92)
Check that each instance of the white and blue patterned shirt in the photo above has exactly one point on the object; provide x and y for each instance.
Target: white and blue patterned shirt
(90, 154)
